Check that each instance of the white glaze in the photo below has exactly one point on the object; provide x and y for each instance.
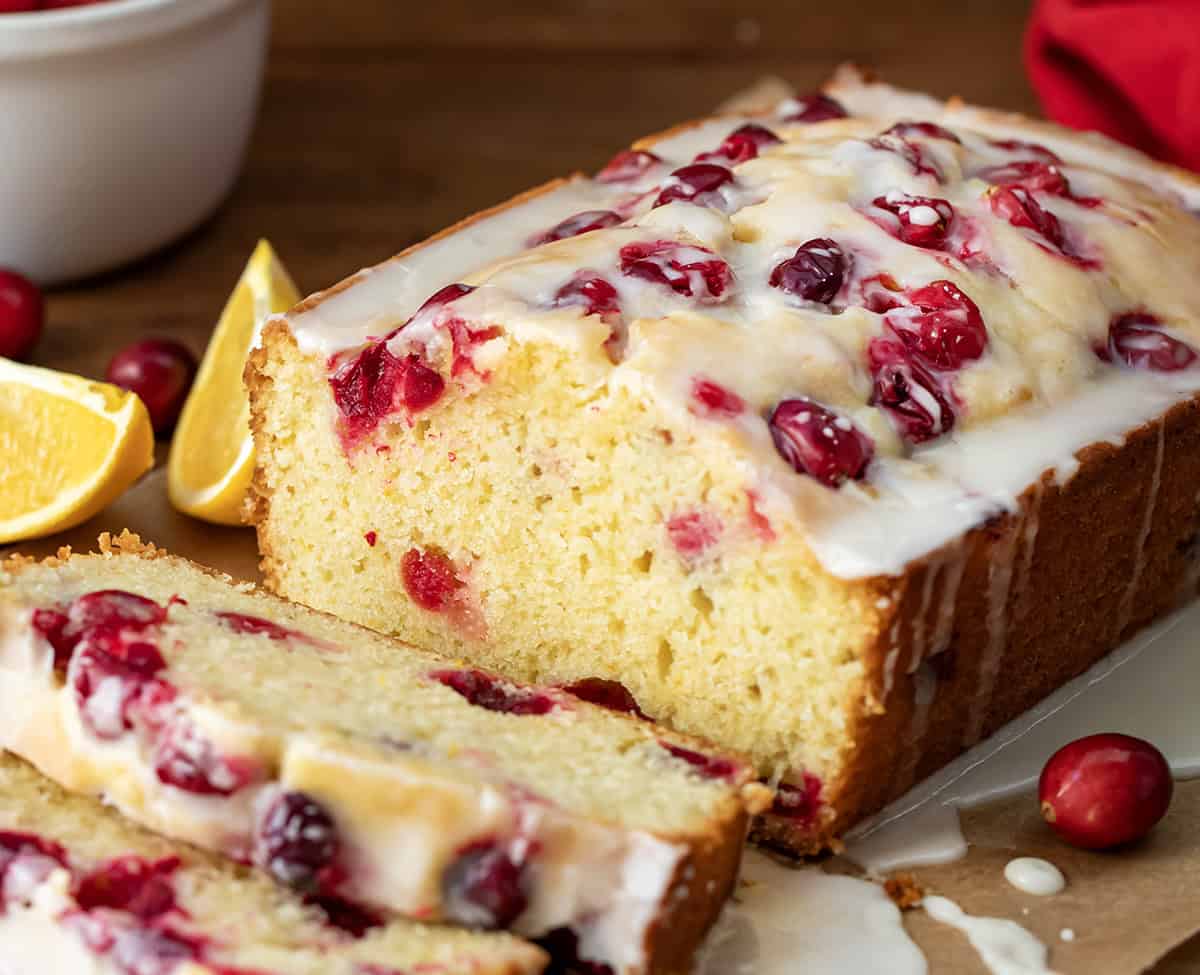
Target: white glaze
(930, 835)
(1067, 934)
(1004, 947)
(1033, 875)
(34, 942)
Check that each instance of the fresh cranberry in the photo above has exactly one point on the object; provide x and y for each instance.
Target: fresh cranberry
(22, 312)
(131, 884)
(1026, 148)
(160, 372)
(1031, 175)
(684, 269)
(814, 107)
(580, 223)
(51, 625)
(699, 183)
(628, 166)
(25, 863)
(918, 408)
(430, 579)
(1105, 790)
(944, 327)
(928, 130)
(298, 839)
(709, 766)
(589, 291)
(1137, 340)
(189, 762)
(692, 533)
(493, 694)
(814, 273)
(820, 443)
(742, 144)
(799, 803)
(610, 694)
(714, 400)
(483, 888)
(917, 220)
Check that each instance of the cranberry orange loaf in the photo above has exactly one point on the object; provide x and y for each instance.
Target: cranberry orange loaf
(349, 765)
(839, 434)
(84, 892)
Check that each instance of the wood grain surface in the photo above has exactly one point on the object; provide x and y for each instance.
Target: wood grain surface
(384, 120)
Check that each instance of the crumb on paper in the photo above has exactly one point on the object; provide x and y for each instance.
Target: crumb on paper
(1067, 934)
(904, 890)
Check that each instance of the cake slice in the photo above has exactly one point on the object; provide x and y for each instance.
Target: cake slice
(839, 434)
(85, 892)
(350, 765)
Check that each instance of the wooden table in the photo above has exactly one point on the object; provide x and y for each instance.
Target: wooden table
(384, 120)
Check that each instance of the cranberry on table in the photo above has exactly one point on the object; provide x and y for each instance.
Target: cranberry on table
(160, 372)
(1105, 790)
(22, 311)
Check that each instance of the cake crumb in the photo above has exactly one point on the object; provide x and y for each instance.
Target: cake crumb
(904, 890)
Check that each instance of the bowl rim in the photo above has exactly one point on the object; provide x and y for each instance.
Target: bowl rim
(38, 34)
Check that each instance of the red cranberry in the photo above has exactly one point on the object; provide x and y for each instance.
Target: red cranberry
(189, 762)
(799, 803)
(814, 107)
(25, 863)
(148, 951)
(257, 626)
(818, 442)
(22, 312)
(298, 839)
(742, 144)
(442, 297)
(684, 269)
(1026, 149)
(376, 384)
(493, 694)
(693, 533)
(109, 686)
(580, 223)
(1137, 340)
(928, 130)
(699, 183)
(713, 400)
(131, 884)
(589, 291)
(610, 694)
(1019, 207)
(628, 166)
(430, 579)
(944, 326)
(911, 152)
(709, 766)
(160, 372)
(917, 220)
(50, 625)
(114, 608)
(910, 396)
(371, 538)
(1105, 790)
(483, 888)
(1031, 175)
(814, 273)
(354, 919)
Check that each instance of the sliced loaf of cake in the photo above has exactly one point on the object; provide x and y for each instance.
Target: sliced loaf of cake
(85, 892)
(351, 765)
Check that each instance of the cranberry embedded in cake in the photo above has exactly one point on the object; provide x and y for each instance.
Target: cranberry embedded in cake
(692, 533)
(131, 883)
(686, 270)
(813, 107)
(917, 220)
(699, 183)
(609, 694)
(943, 326)
(1031, 175)
(1022, 148)
(26, 861)
(814, 273)
(1140, 341)
(297, 841)
(800, 803)
(495, 694)
(580, 223)
(911, 152)
(741, 145)
(927, 130)
(818, 442)
(592, 293)
(908, 393)
(714, 400)
(709, 766)
(187, 760)
(628, 166)
(376, 384)
(483, 887)
(430, 579)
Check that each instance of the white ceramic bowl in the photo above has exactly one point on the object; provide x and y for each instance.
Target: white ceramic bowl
(122, 126)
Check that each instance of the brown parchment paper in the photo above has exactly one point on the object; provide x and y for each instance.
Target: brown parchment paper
(1131, 911)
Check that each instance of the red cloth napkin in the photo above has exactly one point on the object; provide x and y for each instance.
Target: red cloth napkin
(1128, 68)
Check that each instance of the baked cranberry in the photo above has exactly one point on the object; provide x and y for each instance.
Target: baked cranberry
(610, 694)
(160, 372)
(297, 840)
(483, 888)
(814, 107)
(22, 313)
(1105, 790)
(699, 183)
(354, 919)
(799, 803)
(375, 384)
(943, 327)
(114, 608)
(709, 766)
(818, 442)
(371, 538)
(131, 884)
(918, 408)
(1023, 148)
(917, 220)
(742, 144)
(1019, 207)
(51, 625)
(911, 152)
(1031, 175)
(430, 579)
(686, 270)
(1137, 340)
(108, 685)
(628, 166)
(592, 293)
(442, 297)
(814, 273)
(714, 400)
(25, 863)
(189, 762)
(880, 293)
(493, 694)
(927, 130)
(257, 626)
(692, 533)
(580, 223)
(421, 386)
(562, 945)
